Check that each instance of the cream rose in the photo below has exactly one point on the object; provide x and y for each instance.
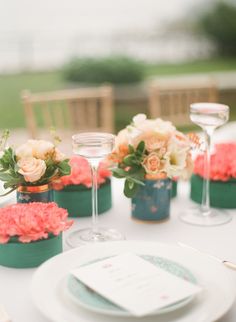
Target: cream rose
(31, 168)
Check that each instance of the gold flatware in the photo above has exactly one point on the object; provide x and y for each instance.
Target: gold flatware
(225, 262)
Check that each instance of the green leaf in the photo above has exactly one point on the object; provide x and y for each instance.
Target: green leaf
(119, 173)
(130, 184)
(11, 184)
(129, 160)
(130, 190)
(141, 147)
(131, 149)
(137, 172)
(64, 167)
(137, 181)
(5, 176)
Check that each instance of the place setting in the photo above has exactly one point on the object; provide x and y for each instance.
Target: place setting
(118, 161)
(98, 273)
(134, 279)
(114, 280)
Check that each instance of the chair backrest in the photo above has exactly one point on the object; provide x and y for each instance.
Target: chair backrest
(172, 102)
(84, 109)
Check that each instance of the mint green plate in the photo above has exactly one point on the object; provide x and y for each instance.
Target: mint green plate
(87, 298)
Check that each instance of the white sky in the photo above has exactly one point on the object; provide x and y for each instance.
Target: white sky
(46, 32)
(95, 16)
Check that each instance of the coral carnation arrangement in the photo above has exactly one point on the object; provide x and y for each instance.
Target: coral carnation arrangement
(36, 162)
(223, 163)
(32, 221)
(150, 149)
(81, 174)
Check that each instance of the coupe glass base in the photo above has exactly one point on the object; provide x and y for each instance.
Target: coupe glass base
(194, 216)
(87, 235)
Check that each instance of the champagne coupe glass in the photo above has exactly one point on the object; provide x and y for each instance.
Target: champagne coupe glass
(94, 147)
(208, 116)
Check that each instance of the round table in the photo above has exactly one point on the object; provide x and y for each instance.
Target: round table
(218, 240)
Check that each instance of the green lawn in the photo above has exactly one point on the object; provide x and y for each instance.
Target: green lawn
(207, 66)
(11, 86)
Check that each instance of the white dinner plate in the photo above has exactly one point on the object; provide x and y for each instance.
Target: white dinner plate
(4, 200)
(87, 298)
(49, 283)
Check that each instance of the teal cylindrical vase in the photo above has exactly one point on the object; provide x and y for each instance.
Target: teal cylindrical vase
(222, 193)
(77, 199)
(152, 201)
(174, 189)
(26, 194)
(27, 255)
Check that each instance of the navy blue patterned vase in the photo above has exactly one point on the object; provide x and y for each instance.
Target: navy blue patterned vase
(26, 194)
(152, 201)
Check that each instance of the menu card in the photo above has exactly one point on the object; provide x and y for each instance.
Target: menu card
(134, 284)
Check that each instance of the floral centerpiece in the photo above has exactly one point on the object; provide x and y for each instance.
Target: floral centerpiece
(148, 153)
(31, 233)
(222, 176)
(73, 191)
(31, 167)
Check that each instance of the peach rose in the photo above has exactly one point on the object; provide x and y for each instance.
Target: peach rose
(152, 163)
(154, 142)
(31, 168)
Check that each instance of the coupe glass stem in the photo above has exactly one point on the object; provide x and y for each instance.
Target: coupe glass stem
(94, 172)
(205, 206)
(94, 146)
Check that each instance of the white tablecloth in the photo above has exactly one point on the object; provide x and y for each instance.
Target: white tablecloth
(219, 240)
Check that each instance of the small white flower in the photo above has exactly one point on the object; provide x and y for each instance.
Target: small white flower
(175, 163)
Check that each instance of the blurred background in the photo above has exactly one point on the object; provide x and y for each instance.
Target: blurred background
(61, 44)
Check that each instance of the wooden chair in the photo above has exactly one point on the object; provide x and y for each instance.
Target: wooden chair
(171, 101)
(84, 109)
